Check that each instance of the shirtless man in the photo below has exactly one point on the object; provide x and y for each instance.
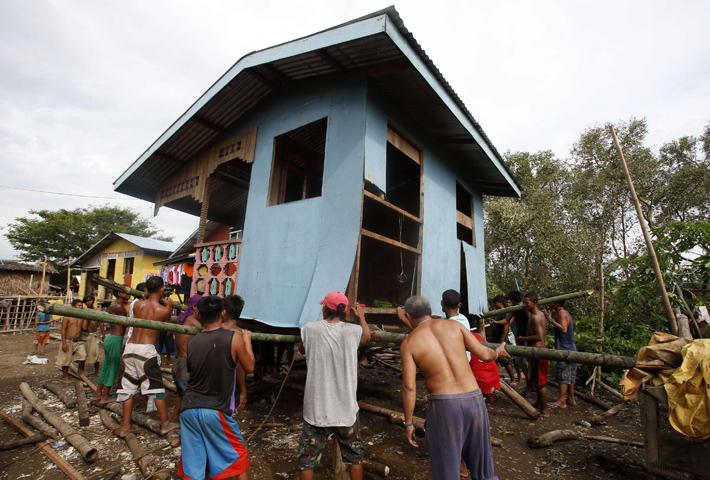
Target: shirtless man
(233, 306)
(72, 345)
(180, 374)
(141, 360)
(112, 349)
(457, 420)
(537, 370)
(90, 336)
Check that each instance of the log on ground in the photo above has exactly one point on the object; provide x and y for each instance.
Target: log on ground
(145, 462)
(66, 398)
(601, 418)
(377, 468)
(45, 448)
(83, 377)
(517, 399)
(87, 451)
(547, 439)
(173, 437)
(37, 423)
(22, 442)
(84, 420)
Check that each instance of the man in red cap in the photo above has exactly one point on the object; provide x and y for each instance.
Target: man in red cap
(330, 398)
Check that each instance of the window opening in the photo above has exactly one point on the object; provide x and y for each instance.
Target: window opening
(297, 168)
(111, 269)
(128, 266)
(465, 230)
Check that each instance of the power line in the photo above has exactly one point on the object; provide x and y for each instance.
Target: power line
(67, 194)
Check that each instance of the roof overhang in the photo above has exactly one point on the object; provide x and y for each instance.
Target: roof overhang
(378, 44)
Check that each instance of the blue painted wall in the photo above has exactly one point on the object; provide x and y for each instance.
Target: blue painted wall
(441, 250)
(294, 254)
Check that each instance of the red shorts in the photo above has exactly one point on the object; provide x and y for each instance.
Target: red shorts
(537, 371)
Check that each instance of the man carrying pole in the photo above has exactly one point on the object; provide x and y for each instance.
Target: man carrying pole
(113, 342)
(141, 361)
(457, 420)
(538, 368)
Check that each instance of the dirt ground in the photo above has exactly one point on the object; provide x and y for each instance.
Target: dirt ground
(272, 451)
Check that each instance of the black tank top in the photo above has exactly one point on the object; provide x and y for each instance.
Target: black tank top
(521, 321)
(212, 371)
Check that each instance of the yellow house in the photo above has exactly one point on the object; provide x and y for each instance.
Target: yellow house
(121, 257)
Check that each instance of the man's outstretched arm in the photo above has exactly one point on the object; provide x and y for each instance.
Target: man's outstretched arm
(409, 390)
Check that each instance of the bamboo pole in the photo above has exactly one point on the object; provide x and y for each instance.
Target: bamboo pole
(647, 236)
(111, 285)
(687, 309)
(88, 452)
(600, 334)
(44, 272)
(45, 448)
(37, 423)
(524, 405)
(145, 462)
(611, 361)
(69, 295)
(544, 301)
(84, 420)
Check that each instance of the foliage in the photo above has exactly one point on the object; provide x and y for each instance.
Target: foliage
(59, 234)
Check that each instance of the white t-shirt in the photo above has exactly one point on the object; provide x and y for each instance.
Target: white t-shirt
(330, 398)
(461, 318)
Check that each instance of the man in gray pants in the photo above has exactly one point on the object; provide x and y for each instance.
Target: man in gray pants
(457, 420)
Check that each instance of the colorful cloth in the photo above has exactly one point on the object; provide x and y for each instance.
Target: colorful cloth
(486, 373)
(211, 438)
(75, 353)
(141, 372)
(41, 338)
(537, 372)
(457, 427)
(112, 360)
(190, 310)
(314, 439)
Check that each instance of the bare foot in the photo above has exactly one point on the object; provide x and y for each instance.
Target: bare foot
(571, 403)
(96, 400)
(169, 427)
(107, 400)
(123, 432)
(544, 414)
(66, 380)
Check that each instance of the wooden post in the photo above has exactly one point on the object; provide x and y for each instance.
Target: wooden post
(647, 236)
(204, 210)
(63, 465)
(650, 408)
(517, 399)
(693, 322)
(44, 271)
(84, 420)
(69, 292)
(600, 334)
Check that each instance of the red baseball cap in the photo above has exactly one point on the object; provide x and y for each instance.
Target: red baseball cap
(333, 299)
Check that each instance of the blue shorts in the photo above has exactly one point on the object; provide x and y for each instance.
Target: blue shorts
(210, 437)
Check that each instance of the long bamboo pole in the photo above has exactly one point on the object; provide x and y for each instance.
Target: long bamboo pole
(568, 296)
(44, 272)
(611, 361)
(111, 285)
(647, 236)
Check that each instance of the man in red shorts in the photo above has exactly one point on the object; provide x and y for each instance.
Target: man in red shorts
(537, 368)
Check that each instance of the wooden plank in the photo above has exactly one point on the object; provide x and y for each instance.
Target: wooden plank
(384, 239)
(403, 145)
(387, 310)
(393, 207)
(464, 220)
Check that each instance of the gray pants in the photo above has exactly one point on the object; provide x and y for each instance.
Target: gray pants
(456, 426)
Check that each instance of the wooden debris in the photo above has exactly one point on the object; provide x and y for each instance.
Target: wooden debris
(166, 370)
(547, 439)
(612, 391)
(585, 397)
(75, 371)
(173, 437)
(517, 399)
(377, 468)
(37, 423)
(601, 418)
(382, 362)
(62, 394)
(45, 448)
(88, 452)
(84, 420)
(145, 462)
(22, 442)
(620, 441)
(169, 385)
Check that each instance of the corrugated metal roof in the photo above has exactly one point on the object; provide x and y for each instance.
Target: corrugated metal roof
(369, 44)
(149, 245)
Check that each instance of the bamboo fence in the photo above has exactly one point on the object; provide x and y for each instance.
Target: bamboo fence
(20, 315)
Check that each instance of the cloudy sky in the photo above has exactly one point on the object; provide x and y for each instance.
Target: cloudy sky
(87, 86)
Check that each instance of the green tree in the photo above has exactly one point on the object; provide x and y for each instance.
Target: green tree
(59, 234)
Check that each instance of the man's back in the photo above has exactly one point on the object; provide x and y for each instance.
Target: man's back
(331, 383)
(437, 347)
(148, 310)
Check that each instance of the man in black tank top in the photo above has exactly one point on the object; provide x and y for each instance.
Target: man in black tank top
(210, 436)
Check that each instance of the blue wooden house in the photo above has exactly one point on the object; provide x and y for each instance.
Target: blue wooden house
(342, 161)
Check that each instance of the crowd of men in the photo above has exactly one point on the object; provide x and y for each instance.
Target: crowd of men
(210, 370)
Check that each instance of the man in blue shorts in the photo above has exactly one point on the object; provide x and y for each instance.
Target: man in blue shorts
(212, 443)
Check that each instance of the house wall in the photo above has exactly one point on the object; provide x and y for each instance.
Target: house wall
(20, 283)
(295, 253)
(441, 250)
(220, 233)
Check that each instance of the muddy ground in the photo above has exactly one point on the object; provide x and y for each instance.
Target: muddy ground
(273, 451)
